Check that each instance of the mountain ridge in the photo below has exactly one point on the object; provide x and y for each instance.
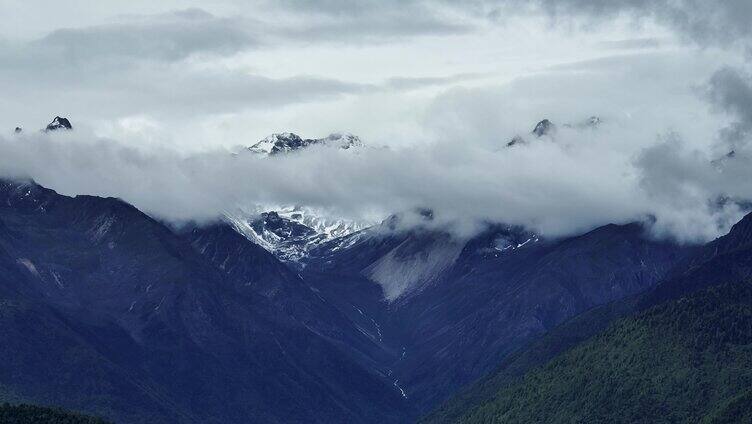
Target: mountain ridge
(726, 259)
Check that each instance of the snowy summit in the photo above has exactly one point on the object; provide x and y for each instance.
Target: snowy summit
(289, 142)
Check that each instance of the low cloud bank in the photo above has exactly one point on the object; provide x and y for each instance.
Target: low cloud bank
(571, 181)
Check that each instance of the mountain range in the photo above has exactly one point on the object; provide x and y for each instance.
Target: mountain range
(288, 316)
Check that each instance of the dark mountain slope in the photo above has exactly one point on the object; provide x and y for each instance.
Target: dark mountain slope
(727, 259)
(505, 288)
(255, 271)
(535, 354)
(685, 361)
(108, 311)
(201, 325)
(491, 306)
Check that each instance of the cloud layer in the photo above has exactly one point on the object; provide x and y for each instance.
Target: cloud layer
(569, 182)
(445, 84)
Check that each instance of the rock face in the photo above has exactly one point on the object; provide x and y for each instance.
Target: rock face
(59, 123)
(516, 140)
(544, 127)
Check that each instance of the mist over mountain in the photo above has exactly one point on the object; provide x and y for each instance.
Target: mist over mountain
(566, 182)
(325, 211)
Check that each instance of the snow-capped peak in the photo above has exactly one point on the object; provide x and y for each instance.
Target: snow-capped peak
(288, 142)
(278, 143)
(291, 232)
(59, 123)
(342, 140)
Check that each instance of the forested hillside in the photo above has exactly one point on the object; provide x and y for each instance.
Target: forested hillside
(29, 414)
(685, 361)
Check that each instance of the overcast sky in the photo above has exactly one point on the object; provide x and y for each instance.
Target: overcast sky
(197, 74)
(427, 78)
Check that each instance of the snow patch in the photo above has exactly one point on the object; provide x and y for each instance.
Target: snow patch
(313, 229)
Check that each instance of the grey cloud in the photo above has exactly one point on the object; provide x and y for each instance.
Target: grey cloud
(173, 36)
(342, 7)
(375, 29)
(581, 180)
(228, 91)
(730, 91)
(705, 22)
(692, 194)
(616, 61)
(168, 90)
(570, 183)
(371, 21)
(639, 90)
(723, 24)
(463, 186)
(631, 44)
(140, 65)
(412, 83)
(126, 65)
